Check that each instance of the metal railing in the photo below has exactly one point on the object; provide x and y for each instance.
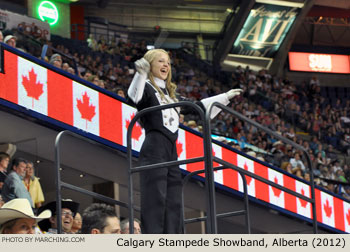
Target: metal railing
(211, 218)
(220, 215)
(286, 140)
(60, 184)
(207, 158)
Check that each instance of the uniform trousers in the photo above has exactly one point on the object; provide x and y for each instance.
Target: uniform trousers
(161, 188)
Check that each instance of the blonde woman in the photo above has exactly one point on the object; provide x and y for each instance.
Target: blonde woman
(33, 186)
(161, 188)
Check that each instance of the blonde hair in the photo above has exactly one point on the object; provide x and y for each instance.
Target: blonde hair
(170, 86)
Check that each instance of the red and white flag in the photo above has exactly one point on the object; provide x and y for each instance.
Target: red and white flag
(303, 207)
(86, 109)
(32, 86)
(276, 196)
(181, 147)
(346, 208)
(327, 209)
(248, 165)
(138, 133)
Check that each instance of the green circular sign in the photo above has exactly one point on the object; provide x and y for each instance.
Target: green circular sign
(48, 12)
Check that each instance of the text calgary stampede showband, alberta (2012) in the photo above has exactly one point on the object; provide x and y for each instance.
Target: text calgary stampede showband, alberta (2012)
(313, 242)
(222, 241)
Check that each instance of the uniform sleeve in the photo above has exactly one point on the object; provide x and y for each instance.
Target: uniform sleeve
(137, 87)
(221, 98)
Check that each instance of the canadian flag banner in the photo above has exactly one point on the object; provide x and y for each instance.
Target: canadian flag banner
(326, 208)
(194, 149)
(303, 207)
(48, 93)
(111, 127)
(137, 134)
(230, 176)
(86, 109)
(181, 147)
(276, 195)
(246, 164)
(346, 216)
(9, 80)
(32, 86)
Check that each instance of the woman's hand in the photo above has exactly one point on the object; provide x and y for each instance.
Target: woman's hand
(142, 66)
(234, 92)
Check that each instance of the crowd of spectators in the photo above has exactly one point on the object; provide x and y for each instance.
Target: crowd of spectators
(300, 112)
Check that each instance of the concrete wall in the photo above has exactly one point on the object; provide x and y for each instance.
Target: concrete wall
(170, 19)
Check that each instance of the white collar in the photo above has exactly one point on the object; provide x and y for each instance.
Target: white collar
(160, 83)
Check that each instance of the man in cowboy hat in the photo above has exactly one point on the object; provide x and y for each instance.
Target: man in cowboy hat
(69, 209)
(17, 217)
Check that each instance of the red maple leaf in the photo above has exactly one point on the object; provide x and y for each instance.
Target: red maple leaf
(33, 87)
(86, 109)
(137, 129)
(249, 179)
(179, 148)
(303, 202)
(348, 216)
(327, 209)
(276, 192)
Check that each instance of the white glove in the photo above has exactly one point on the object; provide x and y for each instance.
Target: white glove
(233, 92)
(142, 66)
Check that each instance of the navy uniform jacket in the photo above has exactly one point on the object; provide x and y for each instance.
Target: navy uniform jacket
(143, 95)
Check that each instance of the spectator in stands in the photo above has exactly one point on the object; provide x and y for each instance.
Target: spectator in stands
(13, 186)
(124, 225)
(33, 185)
(296, 161)
(65, 66)
(77, 223)
(345, 192)
(4, 163)
(10, 40)
(92, 43)
(69, 209)
(17, 217)
(161, 199)
(56, 60)
(94, 79)
(100, 218)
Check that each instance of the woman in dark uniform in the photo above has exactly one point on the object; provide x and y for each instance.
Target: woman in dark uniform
(161, 189)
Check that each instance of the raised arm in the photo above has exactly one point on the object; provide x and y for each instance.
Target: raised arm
(137, 86)
(221, 98)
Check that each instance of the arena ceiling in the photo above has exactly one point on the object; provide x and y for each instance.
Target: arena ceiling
(343, 4)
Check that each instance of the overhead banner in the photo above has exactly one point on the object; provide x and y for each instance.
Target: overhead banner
(264, 30)
(32, 26)
(317, 62)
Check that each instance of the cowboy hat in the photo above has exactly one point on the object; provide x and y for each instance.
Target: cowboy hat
(20, 208)
(66, 203)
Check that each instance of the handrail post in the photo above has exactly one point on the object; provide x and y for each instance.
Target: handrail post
(209, 174)
(58, 182)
